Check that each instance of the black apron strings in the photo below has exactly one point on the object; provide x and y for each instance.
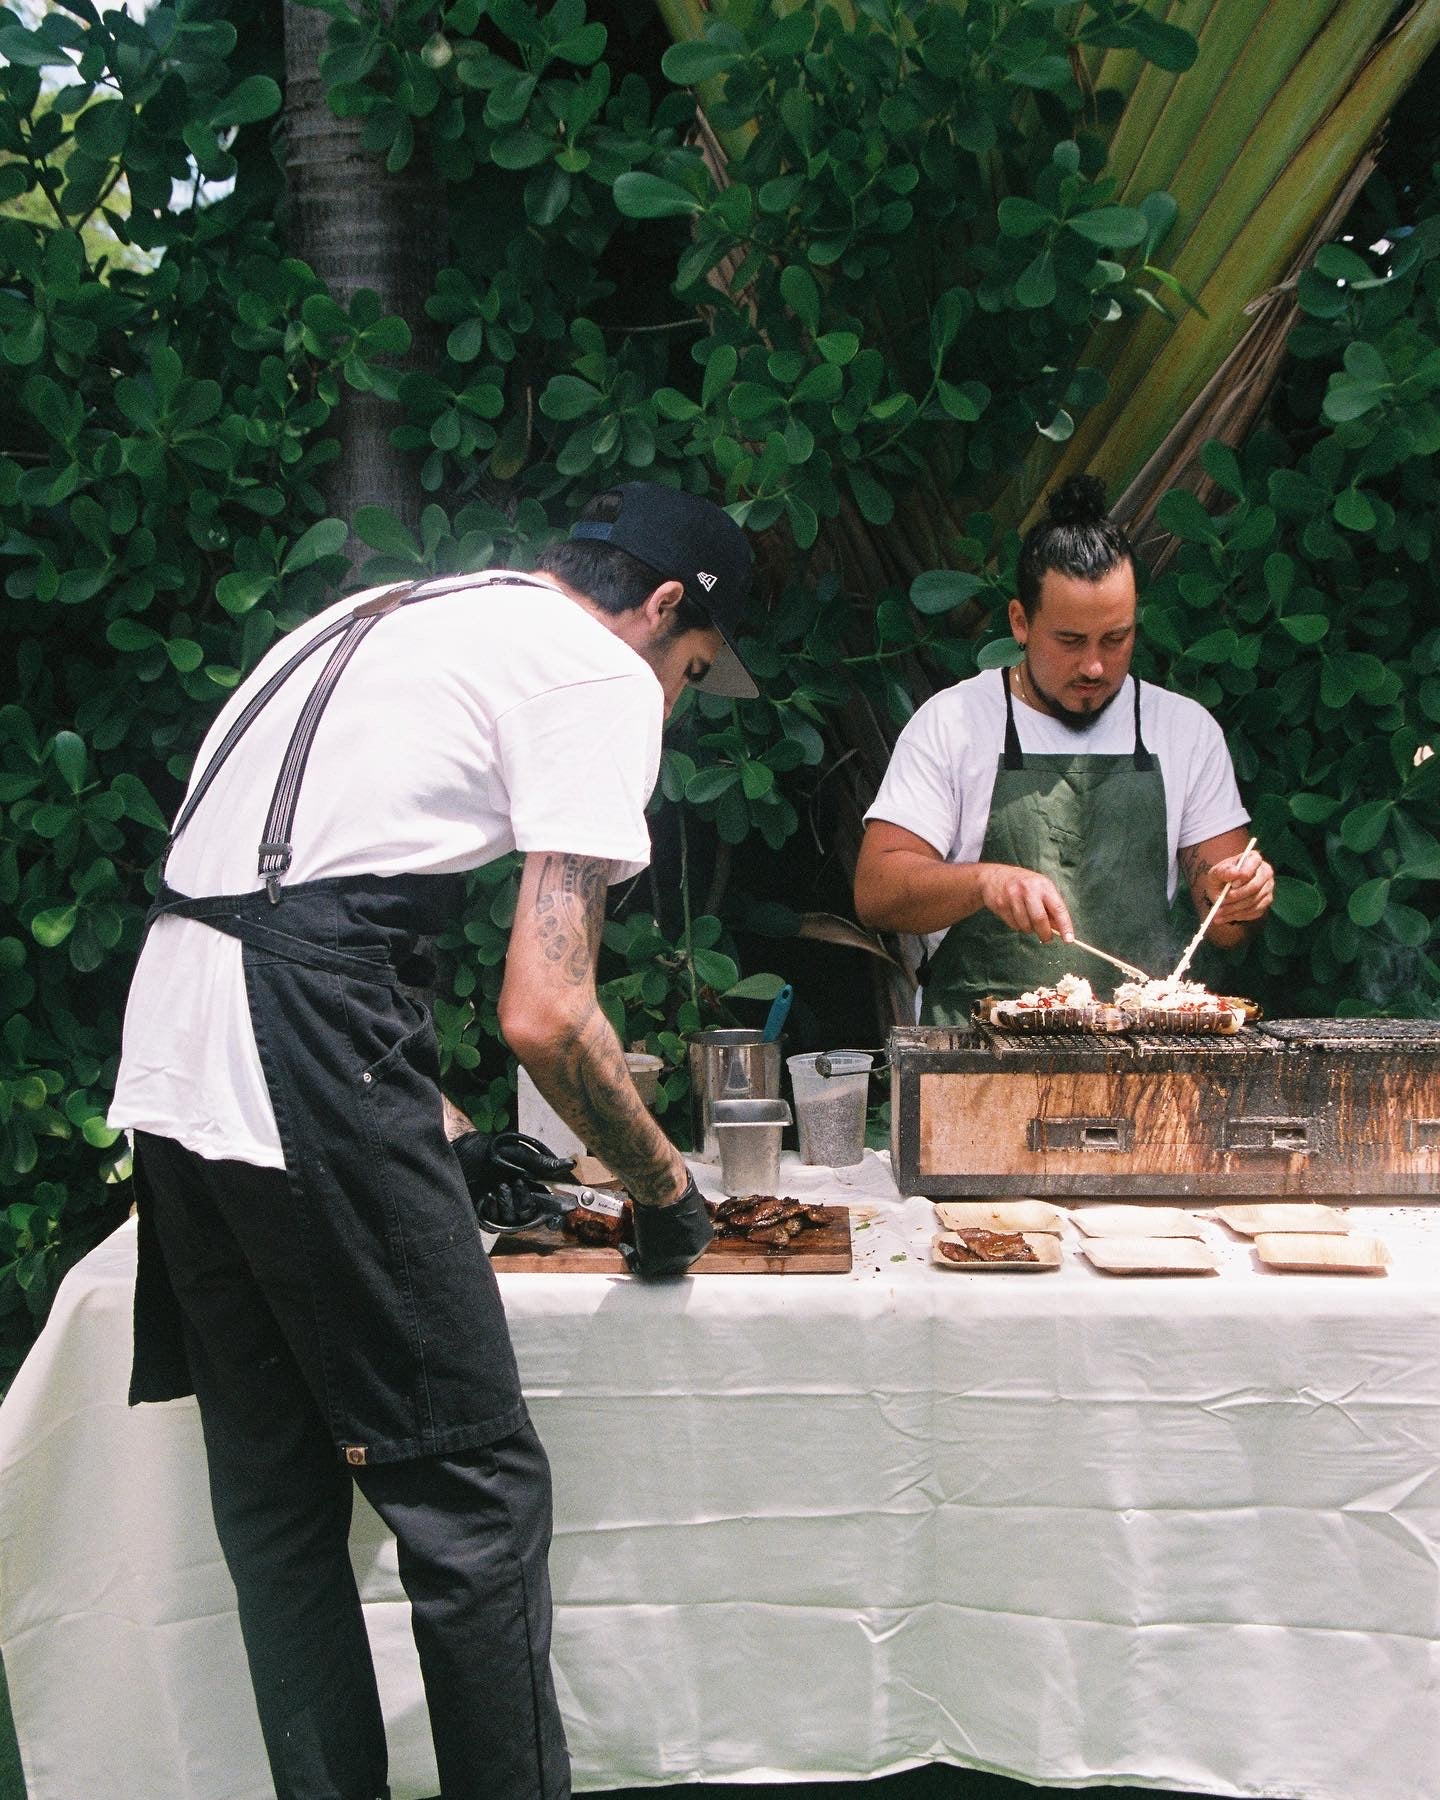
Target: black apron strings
(228, 913)
(1013, 757)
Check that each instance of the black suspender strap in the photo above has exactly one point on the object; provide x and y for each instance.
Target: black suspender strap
(242, 725)
(276, 851)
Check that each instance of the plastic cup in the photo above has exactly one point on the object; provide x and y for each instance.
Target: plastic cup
(830, 1109)
(645, 1071)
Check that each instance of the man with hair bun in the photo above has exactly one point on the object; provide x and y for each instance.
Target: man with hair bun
(1059, 797)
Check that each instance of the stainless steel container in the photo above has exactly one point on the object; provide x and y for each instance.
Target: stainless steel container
(728, 1065)
(748, 1133)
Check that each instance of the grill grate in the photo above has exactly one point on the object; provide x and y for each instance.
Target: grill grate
(1245, 1042)
(1356, 1034)
(1053, 1043)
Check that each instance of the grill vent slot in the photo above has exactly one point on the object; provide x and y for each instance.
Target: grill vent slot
(1079, 1133)
(1278, 1137)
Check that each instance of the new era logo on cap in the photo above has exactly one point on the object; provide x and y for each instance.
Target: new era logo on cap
(686, 538)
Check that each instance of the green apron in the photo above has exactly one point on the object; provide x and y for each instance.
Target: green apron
(1096, 826)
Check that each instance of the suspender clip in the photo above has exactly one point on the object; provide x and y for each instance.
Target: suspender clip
(280, 855)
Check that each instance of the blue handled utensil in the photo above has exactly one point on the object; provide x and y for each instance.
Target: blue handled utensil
(779, 1012)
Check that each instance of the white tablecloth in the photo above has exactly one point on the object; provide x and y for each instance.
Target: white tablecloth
(1182, 1533)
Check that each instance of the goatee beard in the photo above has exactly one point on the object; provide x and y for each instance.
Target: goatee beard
(1068, 715)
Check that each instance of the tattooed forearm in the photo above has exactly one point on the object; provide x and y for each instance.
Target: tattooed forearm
(570, 914)
(1196, 865)
(552, 1019)
(589, 1085)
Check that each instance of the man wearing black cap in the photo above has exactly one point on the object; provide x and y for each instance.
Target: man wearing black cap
(310, 1263)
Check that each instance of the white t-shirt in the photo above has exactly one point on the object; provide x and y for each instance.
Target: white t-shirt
(942, 772)
(489, 719)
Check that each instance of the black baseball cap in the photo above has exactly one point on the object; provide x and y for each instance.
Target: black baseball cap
(686, 538)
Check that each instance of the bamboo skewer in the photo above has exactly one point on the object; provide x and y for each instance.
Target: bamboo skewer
(1195, 942)
(1125, 968)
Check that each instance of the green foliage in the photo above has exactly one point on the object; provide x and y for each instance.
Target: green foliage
(1304, 615)
(881, 306)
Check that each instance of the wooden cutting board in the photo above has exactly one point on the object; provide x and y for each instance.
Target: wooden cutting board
(819, 1250)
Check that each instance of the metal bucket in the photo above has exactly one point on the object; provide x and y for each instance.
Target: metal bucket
(728, 1065)
(749, 1132)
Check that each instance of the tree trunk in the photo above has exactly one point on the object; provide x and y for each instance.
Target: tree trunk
(358, 226)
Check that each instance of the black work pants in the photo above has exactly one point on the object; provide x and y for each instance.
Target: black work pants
(472, 1528)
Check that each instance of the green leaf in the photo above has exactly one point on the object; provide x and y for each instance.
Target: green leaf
(940, 590)
(1353, 510)
(801, 295)
(719, 373)
(710, 783)
(964, 400)
(185, 653)
(715, 970)
(1362, 829)
(999, 653)
(1297, 903)
(1035, 286)
(1021, 218)
(29, 50)
(1112, 227)
(838, 346)
(256, 98)
(139, 802)
(69, 752)
(876, 503)
(1183, 514)
(55, 924)
(236, 593)
(570, 397)
(1407, 925)
(755, 987)
(1313, 809)
(1214, 646)
(757, 779)
(1339, 263)
(1223, 467)
(641, 195)
(378, 527)
(1368, 902)
(687, 65)
(1306, 628)
(326, 537)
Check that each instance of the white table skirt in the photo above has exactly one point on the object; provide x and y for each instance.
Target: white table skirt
(1177, 1533)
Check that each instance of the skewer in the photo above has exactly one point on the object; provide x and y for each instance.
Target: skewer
(1116, 962)
(1195, 942)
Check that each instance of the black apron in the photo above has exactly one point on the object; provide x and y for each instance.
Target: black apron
(415, 1354)
(1096, 826)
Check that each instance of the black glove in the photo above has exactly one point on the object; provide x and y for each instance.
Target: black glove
(506, 1173)
(669, 1238)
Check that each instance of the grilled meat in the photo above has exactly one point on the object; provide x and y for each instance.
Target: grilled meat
(988, 1246)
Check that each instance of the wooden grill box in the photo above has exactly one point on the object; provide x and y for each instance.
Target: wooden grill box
(1299, 1107)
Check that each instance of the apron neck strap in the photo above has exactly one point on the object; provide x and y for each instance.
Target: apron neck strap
(1144, 761)
(1014, 757)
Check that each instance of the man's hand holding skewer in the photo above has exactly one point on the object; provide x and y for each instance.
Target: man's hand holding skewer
(1252, 887)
